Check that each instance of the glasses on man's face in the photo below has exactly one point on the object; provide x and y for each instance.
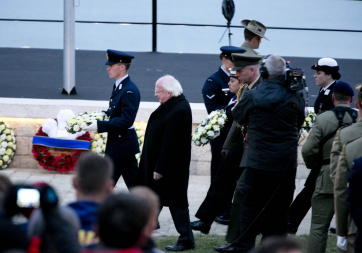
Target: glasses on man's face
(158, 92)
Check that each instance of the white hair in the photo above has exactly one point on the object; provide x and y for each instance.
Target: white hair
(171, 84)
(275, 65)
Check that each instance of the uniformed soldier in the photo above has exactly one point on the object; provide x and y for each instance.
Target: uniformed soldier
(346, 228)
(355, 201)
(253, 33)
(316, 154)
(325, 76)
(216, 94)
(340, 167)
(247, 71)
(122, 143)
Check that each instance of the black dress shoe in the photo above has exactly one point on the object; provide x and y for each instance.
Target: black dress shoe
(179, 247)
(201, 226)
(332, 230)
(222, 219)
(225, 248)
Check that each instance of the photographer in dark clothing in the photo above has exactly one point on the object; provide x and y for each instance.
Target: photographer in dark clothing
(274, 114)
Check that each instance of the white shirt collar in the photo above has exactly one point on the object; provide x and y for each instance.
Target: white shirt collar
(325, 88)
(252, 84)
(120, 80)
(225, 71)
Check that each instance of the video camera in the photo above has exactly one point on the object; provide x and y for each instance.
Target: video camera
(295, 78)
(20, 197)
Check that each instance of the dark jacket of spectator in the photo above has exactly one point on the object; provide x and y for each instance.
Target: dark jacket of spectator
(274, 115)
(167, 151)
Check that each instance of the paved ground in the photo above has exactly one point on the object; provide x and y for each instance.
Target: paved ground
(198, 186)
(37, 73)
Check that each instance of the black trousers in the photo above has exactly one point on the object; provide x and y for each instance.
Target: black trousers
(222, 187)
(181, 219)
(303, 202)
(126, 167)
(216, 147)
(272, 190)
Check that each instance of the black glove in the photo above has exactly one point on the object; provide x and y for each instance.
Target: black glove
(224, 153)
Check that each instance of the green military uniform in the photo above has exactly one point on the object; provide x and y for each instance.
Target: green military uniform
(250, 50)
(234, 136)
(322, 200)
(350, 151)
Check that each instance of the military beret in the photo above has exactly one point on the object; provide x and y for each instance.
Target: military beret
(343, 88)
(228, 50)
(114, 56)
(255, 27)
(329, 66)
(246, 59)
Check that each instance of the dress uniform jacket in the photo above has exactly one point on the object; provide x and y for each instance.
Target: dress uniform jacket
(123, 106)
(344, 223)
(324, 100)
(216, 92)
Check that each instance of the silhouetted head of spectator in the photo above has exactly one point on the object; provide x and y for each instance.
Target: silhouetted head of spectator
(153, 209)
(121, 220)
(93, 180)
(278, 244)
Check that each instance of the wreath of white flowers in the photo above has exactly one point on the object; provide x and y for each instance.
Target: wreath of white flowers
(79, 122)
(209, 128)
(7, 145)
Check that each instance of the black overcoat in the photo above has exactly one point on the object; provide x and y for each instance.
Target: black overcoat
(167, 151)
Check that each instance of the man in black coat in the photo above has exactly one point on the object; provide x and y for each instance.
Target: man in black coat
(166, 154)
(122, 144)
(273, 114)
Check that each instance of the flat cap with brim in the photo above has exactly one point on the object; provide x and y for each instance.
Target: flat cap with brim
(246, 59)
(255, 27)
(114, 56)
(343, 88)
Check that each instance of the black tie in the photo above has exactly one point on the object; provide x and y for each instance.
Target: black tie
(114, 86)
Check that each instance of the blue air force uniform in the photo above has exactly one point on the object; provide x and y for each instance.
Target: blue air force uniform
(216, 94)
(122, 144)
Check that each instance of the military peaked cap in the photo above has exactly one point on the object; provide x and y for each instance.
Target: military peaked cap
(114, 56)
(246, 59)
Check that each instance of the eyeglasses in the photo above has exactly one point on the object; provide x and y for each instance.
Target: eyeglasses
(158, 92)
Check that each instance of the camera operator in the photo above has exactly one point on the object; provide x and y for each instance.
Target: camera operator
(273, 114)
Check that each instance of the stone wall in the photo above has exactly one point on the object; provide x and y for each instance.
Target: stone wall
(25, 117)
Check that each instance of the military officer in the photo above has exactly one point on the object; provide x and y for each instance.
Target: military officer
(122, 143)
(253, 33)
(216, 94)
(325, 76)
(246, 66)
(340, 166)
(316, 154)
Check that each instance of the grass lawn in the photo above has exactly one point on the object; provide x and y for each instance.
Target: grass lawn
(205, 243)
